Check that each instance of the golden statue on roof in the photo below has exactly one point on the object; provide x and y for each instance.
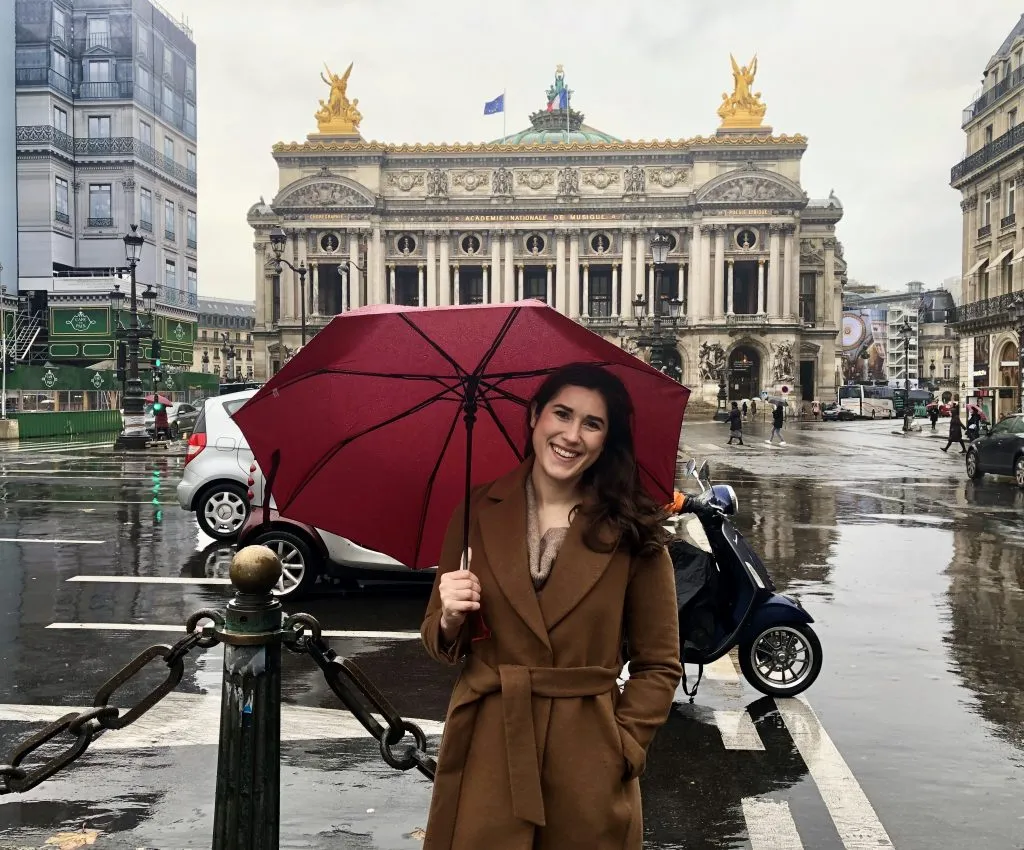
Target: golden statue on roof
(338, 116)
(743, 108)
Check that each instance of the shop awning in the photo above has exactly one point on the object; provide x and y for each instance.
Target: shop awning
(1018, 257)
(974, 269)
(998, 261)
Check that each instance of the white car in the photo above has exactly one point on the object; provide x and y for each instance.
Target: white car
(217, 460)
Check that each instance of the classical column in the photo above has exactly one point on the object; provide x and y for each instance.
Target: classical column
(391, 284)
(760, 286)
(707, 287)
(787, 272)
(485, 294)
(652, 296)
(456, 293)
(421, 291)
(823, 298)
(444, 271)
(728, 288)
(773, 293)
(548, 293)
(314, 289)
(355, 277)
(561, 286)
(719, 294)
(519, 283)
(585, 311)
(371, 269)
(615, 289)
(575, 308)
(346, 302)
(493, 296)
(509, 287)
(261, 285)
(640, 244)
(626, 284)
(695, 286)
(681, 283)
(429, 298)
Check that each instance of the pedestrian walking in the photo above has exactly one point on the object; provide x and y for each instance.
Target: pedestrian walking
(933, 414)
(532, 697)
(973, 424)
(161, 424)
(777, 418)
(735, 424)
(816, 409)
(753, 408)
(744, 410)
(956, 430)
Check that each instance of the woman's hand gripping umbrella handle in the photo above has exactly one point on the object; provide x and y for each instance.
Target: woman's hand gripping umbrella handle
(460, 598)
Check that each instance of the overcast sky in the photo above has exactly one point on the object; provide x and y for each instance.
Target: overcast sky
(877, 87)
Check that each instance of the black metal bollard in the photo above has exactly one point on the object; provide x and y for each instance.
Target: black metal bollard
(248, 804)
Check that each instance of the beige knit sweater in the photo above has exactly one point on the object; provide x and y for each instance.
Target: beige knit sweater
(542, 550)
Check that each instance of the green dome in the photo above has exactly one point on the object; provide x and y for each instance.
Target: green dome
(582, 135)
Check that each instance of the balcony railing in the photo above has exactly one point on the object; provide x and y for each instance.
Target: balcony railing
(119, 90)
(98, 39)
(42, 77)
(191, 243)
(116, 145)
(62, 217)
(999, 307)
(984, 230)
(176, 297)
(58, 32)
(989, 153)
(1008, 220)
(146, 225)
(746, 320)
(101, 222)
(1003, 87)
(168, 235)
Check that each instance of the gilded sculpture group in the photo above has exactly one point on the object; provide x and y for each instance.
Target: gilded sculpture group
(338, 115)
(743, 108)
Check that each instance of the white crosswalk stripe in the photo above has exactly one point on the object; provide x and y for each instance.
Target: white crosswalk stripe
(770, 824)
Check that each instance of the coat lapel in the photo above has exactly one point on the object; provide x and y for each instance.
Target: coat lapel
(576, 570)
(503, 529)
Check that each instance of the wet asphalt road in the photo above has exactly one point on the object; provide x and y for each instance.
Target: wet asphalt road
(913, 736)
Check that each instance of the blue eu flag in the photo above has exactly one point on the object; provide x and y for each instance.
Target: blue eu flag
(563, 99)
(492, 107)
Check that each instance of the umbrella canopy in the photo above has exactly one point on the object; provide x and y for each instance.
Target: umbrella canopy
(377, 429)
(150, 399)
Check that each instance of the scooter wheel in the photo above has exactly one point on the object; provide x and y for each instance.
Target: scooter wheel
(783, 660)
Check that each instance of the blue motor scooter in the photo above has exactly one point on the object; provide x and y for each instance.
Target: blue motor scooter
(729, 599)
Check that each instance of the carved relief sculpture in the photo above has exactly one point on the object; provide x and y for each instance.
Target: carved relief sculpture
(338, 116)
(600, 178)
(470, 180)
(405, 181)
(535, 179)
(568, 181)
(667, 177)
(743, 108)
(323, 195)
(501, 182)
(750, 189)
(635, 180)
(711, 362)
(782, 362)
(437, 183)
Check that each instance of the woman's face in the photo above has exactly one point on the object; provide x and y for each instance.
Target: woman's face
(569, 433)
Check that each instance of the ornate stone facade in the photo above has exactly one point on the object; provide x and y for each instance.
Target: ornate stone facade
(754, 270)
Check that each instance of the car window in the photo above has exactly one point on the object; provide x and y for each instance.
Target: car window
(185, 408)
(1004, 427)
(1016, 425)
(231, 407)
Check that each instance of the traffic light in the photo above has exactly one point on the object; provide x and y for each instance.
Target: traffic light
(156, 353)
(122, 361)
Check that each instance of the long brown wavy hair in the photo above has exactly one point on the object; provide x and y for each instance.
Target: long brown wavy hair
(621, 512)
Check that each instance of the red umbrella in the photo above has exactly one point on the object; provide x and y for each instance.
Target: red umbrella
(160, 398)
(376, 430)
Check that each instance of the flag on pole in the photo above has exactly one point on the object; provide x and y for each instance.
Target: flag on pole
(493, 107)
(563, 99)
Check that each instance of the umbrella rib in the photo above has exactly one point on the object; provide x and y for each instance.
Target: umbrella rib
(326, 458)
(499, 337)
(431, 480)
(501, 427)
(444, 354)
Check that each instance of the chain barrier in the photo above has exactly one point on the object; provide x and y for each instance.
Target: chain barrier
(299, 633)
(84, 727)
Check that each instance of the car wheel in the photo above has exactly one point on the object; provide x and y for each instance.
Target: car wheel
(222, 510)
(1018, 471)
(973, 467)
(300, 565)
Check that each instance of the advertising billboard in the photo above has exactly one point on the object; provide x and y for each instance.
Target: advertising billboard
(863, 345)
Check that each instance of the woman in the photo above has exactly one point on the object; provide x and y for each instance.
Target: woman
(956, 430)
(735, 424)
(973, 425)
(567, 557)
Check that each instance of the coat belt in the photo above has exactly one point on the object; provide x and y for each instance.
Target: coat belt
(518, 685)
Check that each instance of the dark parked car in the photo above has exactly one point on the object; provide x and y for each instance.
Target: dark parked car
(1000, 452)
(834, 413)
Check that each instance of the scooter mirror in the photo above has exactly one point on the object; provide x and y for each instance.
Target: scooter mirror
(691, 467)
(705, 472)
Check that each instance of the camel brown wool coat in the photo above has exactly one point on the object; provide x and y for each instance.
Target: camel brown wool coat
(540, 750)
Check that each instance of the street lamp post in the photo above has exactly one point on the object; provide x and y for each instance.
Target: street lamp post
(133, 437)
(229, 357)
(1018, 312)
(661, 243)
(3, 351)
(906, 331)
(278, 239)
